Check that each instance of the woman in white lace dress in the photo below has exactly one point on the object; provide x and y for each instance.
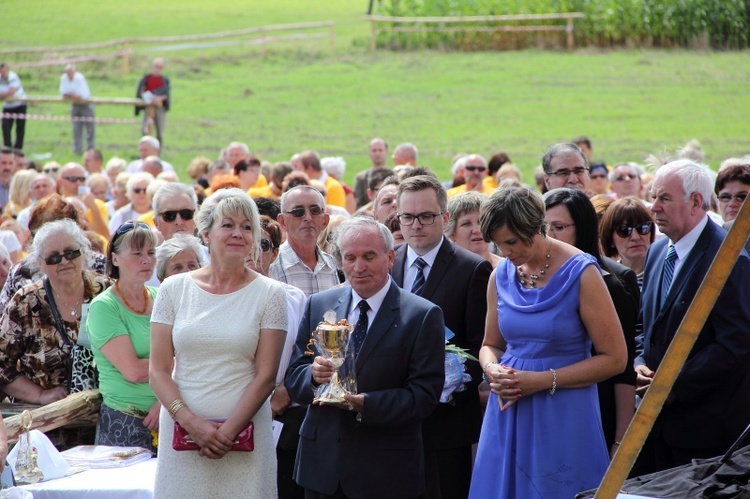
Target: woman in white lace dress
(224, 325)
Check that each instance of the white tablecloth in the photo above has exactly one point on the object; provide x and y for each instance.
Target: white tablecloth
(133, 482)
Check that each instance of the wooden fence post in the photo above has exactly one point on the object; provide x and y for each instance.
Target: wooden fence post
(569, 32)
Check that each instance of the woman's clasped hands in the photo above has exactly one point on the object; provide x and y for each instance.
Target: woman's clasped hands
(505, 383)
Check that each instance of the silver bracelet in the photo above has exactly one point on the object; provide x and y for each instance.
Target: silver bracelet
(554, 382)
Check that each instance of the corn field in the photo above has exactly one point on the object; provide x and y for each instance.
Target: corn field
(717, 24)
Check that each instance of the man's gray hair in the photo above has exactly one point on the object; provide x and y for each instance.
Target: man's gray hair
(355, 225)
(565, 150)
(285, 196)
(152, 141)
(695, 178)
(241, 145)
(177, 244)
(173, 189)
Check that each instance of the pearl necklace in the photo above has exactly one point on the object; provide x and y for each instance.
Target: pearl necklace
(531, 283)
(139, 311)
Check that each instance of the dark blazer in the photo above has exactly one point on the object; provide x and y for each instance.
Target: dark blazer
(712, 391)
(458, 285)
(400, 370)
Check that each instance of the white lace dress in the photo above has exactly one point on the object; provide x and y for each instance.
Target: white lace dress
(215, 339)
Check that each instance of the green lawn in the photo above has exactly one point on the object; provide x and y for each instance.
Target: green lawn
(631, 103)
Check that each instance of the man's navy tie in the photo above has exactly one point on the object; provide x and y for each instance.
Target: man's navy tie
(666, 277)
(418, 285)
(360, 329)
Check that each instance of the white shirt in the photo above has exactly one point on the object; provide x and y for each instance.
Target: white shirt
(375, 302)
(685, 244)
(77, 86)
(13, 81)
(410, 271)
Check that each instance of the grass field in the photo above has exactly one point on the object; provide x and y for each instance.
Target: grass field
(631, 103)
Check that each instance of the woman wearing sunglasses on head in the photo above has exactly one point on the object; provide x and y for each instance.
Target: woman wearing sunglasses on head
(119, 324)
(40, 324)
(626, 231)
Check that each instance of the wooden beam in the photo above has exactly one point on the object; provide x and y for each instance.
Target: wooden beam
(678, 350)
(77, 409)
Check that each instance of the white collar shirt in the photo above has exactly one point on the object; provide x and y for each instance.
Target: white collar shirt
(410, 270)
(685, 244)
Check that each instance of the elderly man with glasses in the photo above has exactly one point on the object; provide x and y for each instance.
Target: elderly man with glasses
(301, 263)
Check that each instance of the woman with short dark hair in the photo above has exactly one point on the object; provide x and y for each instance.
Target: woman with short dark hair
(546, 306)
(627, 231)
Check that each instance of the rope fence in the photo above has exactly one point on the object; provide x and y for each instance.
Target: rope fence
(265, 36)
(47, 117)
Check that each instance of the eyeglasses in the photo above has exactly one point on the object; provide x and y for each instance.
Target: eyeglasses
(624, 231)
(266, 245)
(424, 218)
(558, 227)
(139, 190)
(300, 211)
(626, 176)
(171, 215)
(726, 198)
(75, 180)
(125, 228)
(476, 168)
(53, 169)
(578, 172)
(69, 255)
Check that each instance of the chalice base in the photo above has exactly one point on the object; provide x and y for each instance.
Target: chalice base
(332, 393)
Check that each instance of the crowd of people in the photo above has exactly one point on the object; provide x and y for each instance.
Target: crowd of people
(191, 308)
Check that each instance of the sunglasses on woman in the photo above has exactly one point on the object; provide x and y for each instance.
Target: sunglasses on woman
(69, 255)
(625, 230)
(127, 227)
(171, 215)
(266, 245)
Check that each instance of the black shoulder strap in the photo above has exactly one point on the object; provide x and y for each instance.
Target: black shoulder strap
(55, 313)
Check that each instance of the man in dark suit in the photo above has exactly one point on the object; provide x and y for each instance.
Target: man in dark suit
(456, 281)
(708, 407)
(371, 445)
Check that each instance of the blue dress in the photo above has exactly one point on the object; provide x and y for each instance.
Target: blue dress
(543, 446)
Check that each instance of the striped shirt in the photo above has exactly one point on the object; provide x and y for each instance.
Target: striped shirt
(290, 269)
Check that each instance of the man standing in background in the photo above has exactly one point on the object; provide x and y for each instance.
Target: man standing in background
(10, 87)
(154, 90)
(379, 157)
(73, 88)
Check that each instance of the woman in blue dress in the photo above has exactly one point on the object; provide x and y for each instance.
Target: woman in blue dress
(542, 435)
